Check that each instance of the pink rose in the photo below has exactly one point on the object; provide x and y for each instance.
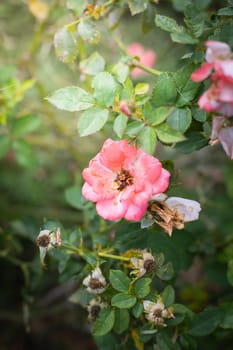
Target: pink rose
(219, 97)
(222, 131)
(121, 180)
(146, 57)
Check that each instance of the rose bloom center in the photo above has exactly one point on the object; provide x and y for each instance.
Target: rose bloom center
(122, 180)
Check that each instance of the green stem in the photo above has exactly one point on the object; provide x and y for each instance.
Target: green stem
(111, 256)
(71, 248)
(135, 63)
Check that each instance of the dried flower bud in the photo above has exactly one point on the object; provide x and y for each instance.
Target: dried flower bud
(94, 307)
(170, 212)
(156, 312)
(144, 264)
(47, 240)
(95, 282)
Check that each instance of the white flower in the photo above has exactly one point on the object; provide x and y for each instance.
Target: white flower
(94, 307)
(156, 312)
(144, 265)
(95, 282)
(170, 212)
(189, 208)
(47, 240)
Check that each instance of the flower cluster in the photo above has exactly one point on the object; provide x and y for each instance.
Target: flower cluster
(219, 64)
(145, 57)
(121, 179)
(156, 313)
(219, 97)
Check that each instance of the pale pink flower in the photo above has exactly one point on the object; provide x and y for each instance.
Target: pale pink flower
(121, 180)
(219, 97)
(222, 131)
(146, 57)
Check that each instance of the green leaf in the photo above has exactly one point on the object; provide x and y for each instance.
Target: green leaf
(180, 119)
(164, 341)
(226, 11)
(106, 342)
(165, 272)
(104, 323)
(137, 309)
(120, 124)
(168, 296)
(186, 88)
(137, 6)
(7, 72)
(121, 320)
(199, 114)
(78, 6)
(164, 92)
(5, 144)
(24, 125)
(168, 24)
(88, 32)
(227, 322)
(120, 71)
(93, 65)
(202, 4)
(142, 287)
(65, 44)
(230, 272)
(141, 88)
(206, 322)
(156, 116)
(147, 139)
(119, 280)
(183, 38)
(123, 301)
(148, 18)
(134, 128)
(195, 141)
(71, 99)
(92, 121)
(183, 310)
(168, 135)
(194, 20)
(105, 88)
(73, 196)
(24, 154)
